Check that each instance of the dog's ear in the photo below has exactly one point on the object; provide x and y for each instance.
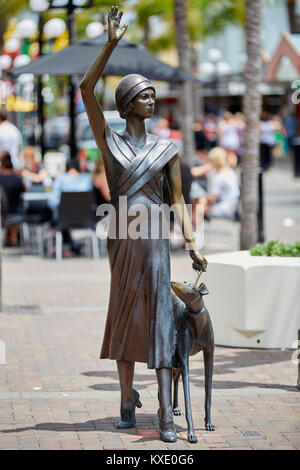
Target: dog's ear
(203, 289)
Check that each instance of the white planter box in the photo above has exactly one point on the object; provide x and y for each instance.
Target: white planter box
(254, 301)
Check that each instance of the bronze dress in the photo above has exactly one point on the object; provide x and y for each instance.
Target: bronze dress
(140, 323)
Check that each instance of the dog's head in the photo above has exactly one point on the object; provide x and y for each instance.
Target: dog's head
(190, 295)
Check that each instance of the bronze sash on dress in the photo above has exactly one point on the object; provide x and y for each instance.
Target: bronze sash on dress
(139, 167)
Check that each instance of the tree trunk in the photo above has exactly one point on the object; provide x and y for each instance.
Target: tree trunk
(1, 254)
(198, 98)
(251, 109)
(2, 31)
(146, 33)
(186, 89)
(291, 4)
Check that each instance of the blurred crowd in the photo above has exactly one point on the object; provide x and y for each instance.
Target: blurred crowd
(22, 171)
(211, 184)
(227, 131)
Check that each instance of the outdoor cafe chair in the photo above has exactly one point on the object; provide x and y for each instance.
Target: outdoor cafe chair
(8, 219)
(76, 213)
(37, 218)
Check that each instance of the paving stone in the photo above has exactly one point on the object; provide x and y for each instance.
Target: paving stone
(91, 445)
(251, 433)
(77, 403)
(292, 437)
(237, 442)
(28, 442)
(201, 445)
(283, 447)
(212, 439)
(178, 445)
(148, 433)
(49, 444)
(9, 442)
(112, 447)
(70, 444)
(218, 445)
(260, 445)
(156, 445)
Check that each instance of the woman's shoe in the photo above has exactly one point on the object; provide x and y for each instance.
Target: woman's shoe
(167, 431)
(128, 414)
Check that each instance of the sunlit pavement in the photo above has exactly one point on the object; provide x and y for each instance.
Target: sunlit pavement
(55, 393)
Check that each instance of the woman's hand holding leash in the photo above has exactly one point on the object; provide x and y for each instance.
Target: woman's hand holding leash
(199, 264)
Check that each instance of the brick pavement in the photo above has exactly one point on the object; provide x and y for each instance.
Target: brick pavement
(56, 394)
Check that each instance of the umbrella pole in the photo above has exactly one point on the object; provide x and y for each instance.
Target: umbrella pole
(40, 99)
(40, 115)
(72, 134)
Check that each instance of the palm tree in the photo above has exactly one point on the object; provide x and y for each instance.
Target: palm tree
(7, 10)
(251, 109)
(204, 18)
(191, 22)
(294, 17)
(186, 95)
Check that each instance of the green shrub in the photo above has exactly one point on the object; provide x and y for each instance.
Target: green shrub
(274, 248)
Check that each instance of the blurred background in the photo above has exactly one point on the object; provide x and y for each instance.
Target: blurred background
(226, 75)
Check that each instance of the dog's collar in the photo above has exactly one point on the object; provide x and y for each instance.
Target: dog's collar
(197, 313)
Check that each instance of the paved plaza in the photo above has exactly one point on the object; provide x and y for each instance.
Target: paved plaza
(55, 393)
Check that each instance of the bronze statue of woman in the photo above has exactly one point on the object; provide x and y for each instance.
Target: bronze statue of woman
(140, 323)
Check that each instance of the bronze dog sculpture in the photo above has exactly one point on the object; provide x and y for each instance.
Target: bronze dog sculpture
(194, 333)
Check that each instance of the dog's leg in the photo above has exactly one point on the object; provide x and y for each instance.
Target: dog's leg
(176, 375)
(208, 355)
(188, 410)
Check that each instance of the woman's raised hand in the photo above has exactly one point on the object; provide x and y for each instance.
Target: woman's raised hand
(115, 33)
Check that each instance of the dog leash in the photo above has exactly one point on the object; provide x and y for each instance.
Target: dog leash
(196, 267)
(198, 277)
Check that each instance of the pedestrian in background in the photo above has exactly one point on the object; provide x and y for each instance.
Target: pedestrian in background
(71, 181)
(13, 187)
(229, 138)
(267, 140)
(101, 190)
(33, 171)
(222, 196)
(10, 139)
(201, 143)
(210, 128)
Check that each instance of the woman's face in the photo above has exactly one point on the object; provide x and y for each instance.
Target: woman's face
(143, 103)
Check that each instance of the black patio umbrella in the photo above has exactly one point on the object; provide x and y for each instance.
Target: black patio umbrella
(128, 57)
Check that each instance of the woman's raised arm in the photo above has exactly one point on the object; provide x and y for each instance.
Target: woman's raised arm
(94, 72)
